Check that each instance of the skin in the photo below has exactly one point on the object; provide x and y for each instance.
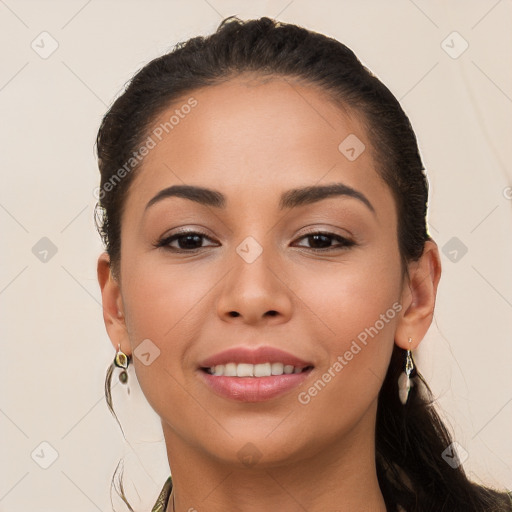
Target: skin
(253, 139)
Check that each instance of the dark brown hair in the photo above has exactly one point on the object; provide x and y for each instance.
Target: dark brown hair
(410, 439)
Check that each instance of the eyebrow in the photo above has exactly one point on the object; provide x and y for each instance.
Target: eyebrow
(290, 199)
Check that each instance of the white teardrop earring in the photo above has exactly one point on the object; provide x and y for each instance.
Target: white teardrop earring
(404, 381)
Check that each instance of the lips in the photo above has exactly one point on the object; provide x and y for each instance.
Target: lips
(244, 388)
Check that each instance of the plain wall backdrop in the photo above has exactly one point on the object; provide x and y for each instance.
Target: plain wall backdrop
(63, 63)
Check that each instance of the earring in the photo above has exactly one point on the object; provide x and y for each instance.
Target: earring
(122, 361)
(404, 381)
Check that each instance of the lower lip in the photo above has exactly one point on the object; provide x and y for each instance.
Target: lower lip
(254, 389)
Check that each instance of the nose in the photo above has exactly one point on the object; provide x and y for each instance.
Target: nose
(255, 292)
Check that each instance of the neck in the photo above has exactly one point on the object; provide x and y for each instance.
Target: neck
(342, 476)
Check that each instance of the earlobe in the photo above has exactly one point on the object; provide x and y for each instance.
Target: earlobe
(113, 314)
(419, 297)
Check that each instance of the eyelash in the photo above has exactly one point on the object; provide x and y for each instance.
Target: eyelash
(165, 242)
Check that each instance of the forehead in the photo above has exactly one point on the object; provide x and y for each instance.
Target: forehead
(259, 135)
(238, 118)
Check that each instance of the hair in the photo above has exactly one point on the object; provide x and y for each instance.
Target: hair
(410, 438)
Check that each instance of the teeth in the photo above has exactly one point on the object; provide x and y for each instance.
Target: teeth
(244, 370)
(229, 370)
(262, 370)
(252, 370)
(277, 368)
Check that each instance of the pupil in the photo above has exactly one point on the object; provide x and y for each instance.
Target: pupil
(316, 239)
(184, 241)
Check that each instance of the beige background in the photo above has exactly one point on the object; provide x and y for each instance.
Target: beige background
(54, 348)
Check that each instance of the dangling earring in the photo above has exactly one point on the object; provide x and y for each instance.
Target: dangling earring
(122, 361)
(404, 381)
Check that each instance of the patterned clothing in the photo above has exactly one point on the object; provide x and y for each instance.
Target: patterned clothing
(163, 498)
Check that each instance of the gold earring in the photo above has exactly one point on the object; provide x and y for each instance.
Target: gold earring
(121, 360)
(404, 381)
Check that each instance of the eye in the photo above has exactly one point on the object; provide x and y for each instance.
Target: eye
(321, 241)
(187, 241)
(191, 241)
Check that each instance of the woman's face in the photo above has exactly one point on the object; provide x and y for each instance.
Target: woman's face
(255, 276)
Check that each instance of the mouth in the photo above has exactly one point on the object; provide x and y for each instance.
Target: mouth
(249, 374)
(244, 382)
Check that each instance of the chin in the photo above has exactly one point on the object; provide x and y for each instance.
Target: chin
(260, 448)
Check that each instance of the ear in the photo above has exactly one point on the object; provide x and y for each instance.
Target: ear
(113, 310)
(419, 297)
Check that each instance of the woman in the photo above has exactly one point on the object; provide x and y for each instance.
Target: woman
(268, 272)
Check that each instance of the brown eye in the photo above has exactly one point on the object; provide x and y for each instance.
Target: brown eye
(185, 241)
(322, 241)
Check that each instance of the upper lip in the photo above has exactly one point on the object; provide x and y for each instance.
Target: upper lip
(263, 354)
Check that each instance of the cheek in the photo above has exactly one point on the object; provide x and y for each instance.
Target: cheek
(346, 298)
(357, 311)
(167, 304)
(160, 300)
